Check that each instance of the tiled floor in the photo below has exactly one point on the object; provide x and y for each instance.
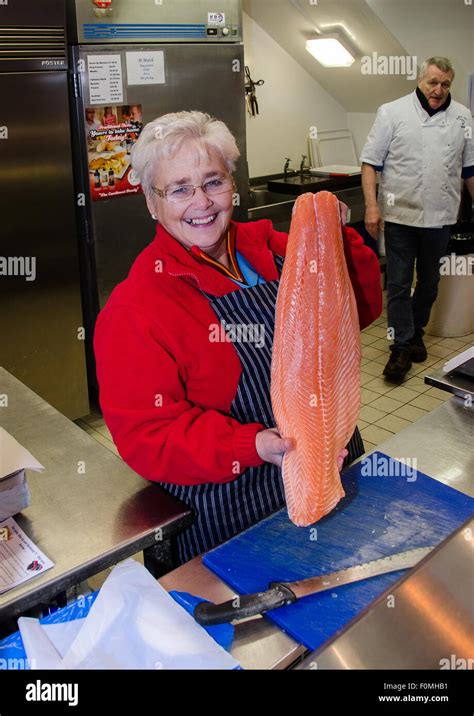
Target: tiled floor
(386, 409)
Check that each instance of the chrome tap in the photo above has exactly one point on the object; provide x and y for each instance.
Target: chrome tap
(304, 169)
(287, 169)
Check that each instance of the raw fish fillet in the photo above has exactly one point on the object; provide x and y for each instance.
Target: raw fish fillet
(316, 358)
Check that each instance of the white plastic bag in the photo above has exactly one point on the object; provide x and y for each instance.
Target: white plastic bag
(133, 624)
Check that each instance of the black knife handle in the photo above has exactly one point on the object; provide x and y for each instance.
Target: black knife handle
(247, 605)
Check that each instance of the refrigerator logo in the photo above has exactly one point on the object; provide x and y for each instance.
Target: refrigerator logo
(216, 18)
(51, 63)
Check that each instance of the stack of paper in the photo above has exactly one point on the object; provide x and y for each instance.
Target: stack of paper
(14, 459)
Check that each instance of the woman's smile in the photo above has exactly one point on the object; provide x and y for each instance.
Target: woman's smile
(200, 220)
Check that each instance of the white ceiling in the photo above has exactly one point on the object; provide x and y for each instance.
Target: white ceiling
(387, 27)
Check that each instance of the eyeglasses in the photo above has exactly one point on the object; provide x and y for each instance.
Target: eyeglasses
(185, 192)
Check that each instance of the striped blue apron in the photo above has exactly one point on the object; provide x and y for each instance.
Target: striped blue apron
(223, 510)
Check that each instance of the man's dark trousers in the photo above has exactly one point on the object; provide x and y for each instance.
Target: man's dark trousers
(407, 315)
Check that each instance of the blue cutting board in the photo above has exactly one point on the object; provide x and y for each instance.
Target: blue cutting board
(379, 516)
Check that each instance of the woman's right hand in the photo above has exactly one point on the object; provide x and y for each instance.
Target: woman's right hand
(271, 446)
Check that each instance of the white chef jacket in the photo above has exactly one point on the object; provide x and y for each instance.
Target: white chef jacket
(420, 159)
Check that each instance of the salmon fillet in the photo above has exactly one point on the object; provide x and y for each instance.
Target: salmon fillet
(315, 380)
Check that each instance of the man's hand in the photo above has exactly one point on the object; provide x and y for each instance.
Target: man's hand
(373, 218)
(470, 185)
(373, 221)
(271, 447)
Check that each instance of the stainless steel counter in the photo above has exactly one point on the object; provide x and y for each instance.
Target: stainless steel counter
(425, 622)
(88, 509)
(452, 383)
(443, 444)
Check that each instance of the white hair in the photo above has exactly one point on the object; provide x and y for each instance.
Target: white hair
(442, 63)
(164, 136)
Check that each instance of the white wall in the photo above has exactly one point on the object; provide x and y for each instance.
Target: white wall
(290, 102)
(434, 27)
(360, 124)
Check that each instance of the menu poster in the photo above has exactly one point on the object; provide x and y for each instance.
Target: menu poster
(105, 79)
(111, 133)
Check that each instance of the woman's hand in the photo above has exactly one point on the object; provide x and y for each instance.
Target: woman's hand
(341, 457)
(271, 447)
(343, 211)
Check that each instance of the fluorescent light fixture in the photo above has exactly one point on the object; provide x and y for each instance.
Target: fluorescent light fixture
(330, 52)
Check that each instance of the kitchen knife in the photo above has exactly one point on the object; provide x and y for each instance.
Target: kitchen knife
(280, 594)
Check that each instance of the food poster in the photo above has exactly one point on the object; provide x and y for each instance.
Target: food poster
(111, 133)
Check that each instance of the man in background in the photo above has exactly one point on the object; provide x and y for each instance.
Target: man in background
(422, 145)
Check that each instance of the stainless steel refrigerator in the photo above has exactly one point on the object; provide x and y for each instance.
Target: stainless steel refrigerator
(40, 299)
(150, 58)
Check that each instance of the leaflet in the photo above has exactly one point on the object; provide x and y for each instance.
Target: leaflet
(20, 558)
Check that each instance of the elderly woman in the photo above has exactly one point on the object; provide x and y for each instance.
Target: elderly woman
(188, 406)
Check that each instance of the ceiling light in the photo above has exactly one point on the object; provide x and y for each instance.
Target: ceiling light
(330, 52)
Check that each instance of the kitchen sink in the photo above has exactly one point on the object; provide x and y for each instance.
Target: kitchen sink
(264, 204)
(263, 197)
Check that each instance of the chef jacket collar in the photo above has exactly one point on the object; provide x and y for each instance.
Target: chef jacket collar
(426, 105)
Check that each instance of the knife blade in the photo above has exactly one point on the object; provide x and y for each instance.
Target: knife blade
(281, 594)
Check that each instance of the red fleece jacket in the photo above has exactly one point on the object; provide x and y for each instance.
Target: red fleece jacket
(165, 389)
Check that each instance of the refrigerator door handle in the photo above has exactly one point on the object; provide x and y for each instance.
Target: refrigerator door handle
(76, 83)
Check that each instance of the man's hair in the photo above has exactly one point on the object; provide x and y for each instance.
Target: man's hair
(442, 63)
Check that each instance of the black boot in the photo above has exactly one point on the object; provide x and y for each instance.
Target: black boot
(418, 352)
(398, 365)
